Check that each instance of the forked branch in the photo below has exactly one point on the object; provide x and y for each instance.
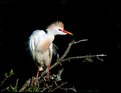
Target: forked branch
(61, 60)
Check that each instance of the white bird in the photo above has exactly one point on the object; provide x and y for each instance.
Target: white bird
(41, 44)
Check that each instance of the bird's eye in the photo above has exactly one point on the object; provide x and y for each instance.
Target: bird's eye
(60, 29)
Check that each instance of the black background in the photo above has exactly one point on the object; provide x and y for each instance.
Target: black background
(99, 22)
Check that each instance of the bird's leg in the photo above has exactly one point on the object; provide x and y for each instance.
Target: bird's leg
(38, 73)
(48, 71)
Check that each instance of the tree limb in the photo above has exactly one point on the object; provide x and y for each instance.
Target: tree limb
(82, 57)
(58, 86)
(66, 89)
(27, 83)
(60, 60)
(70, 45)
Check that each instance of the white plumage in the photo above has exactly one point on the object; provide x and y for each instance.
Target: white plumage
(41, 46)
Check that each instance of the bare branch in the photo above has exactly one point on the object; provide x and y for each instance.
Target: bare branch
(58, 77)
(66, 89)
(70, 58)
(76, 42)
(46, 88)
(59, 61)
(99, 58)
(27, 83)
(58, 86)
(69, 47)
(74, 89)
(81, 57)
(59, 74)
(4, 89)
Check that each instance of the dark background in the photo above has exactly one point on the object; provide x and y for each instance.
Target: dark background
(99, 22)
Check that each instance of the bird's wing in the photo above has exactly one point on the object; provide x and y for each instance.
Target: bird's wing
(34, 39)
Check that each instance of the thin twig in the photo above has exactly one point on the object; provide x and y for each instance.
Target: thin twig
(76, 42)
(67, 50)
(66, 89)
(99, 58)
(69, 47)
(58, 86)
(4, 89)
(46, 88)
(74, 89)
(81, 57)
(17, 82)
(3, 81)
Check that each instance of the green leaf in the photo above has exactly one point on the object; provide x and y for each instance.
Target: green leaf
(6, 75)
(11, 72)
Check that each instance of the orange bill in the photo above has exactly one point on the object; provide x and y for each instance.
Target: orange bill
(66, 32)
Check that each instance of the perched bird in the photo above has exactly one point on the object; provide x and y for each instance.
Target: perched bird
(41, 45)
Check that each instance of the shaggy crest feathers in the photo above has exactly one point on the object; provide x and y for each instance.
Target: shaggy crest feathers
(56, 24)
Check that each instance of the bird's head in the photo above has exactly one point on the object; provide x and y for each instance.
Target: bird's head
(57, 28)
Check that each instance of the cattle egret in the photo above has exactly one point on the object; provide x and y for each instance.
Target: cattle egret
(41, 45)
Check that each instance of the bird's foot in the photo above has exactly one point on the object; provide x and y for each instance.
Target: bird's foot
(34, 82)
(47, 78)
(39, 69)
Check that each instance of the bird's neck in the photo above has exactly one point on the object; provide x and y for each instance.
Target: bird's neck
(51, 36)
(51, 32)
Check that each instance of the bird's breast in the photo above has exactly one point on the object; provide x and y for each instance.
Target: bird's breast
(45, 44)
